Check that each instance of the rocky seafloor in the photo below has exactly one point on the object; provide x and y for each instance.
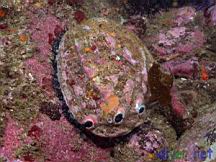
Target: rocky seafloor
(182, 38)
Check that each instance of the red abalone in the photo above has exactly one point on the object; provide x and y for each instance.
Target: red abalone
(102, 70)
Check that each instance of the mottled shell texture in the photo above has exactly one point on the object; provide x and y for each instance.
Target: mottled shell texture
(102, 71)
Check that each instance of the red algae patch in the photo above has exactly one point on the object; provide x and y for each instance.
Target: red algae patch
(79, 16)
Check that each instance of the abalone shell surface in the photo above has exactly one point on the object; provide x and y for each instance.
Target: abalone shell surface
(102, 71)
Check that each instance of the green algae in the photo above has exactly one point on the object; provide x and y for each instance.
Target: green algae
(159, 122)
(2, 159)
(2, 126)
(20, 95)
(162, 21)
(31, 150)
(211, 40)
(126, 153)
(102, 8)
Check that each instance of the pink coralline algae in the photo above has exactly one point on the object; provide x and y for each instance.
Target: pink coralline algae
(11, 140)
(62, 142)
(179, 40)
(43, 31)
(171, 37)
(58, 141)
(147, 142)
(196, 41)
(185, 15)
(210, 15)
(40, 70)
(42, 73)
(153, 141)
(183, 68)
